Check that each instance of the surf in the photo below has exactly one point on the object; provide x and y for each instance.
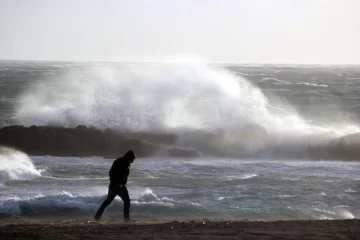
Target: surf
(197, 101)
(16, 165)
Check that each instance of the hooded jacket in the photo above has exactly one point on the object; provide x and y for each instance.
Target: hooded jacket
(120, 169)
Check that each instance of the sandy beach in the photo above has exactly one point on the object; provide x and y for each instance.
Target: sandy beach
(200, 229)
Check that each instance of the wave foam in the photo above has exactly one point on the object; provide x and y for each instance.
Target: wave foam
(245, 176)
(16, 165)
(147, 97)
(313, 84)
(174, 97)
(65, 204)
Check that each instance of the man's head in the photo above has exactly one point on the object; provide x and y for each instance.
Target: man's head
(129, 155)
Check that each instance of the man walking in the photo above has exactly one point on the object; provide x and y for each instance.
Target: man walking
(118, 173)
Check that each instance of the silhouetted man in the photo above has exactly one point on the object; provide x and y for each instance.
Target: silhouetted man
(118, 173)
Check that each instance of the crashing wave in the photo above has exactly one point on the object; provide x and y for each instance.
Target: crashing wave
(66, 204)
(16, 165)
(231, 115)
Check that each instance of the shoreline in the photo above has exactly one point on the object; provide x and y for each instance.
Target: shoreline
(182, 229)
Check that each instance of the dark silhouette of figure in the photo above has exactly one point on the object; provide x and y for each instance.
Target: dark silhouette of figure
(118, 173)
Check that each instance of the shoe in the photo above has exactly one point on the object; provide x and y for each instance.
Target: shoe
(97, 218)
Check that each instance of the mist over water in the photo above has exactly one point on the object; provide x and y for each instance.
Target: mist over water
(179, 98)
(154, 97)
(145, 98)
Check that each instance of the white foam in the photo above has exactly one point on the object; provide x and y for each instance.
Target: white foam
(16, 165)
(271, 79)
(49, 203)
(172, 97)
(245, 176)
(222, 198)
(337, 213)
(346, 214)
(148, 196)
(350, 190)
(313, 84)
(67, 201)
(146, 96)
(151, 96)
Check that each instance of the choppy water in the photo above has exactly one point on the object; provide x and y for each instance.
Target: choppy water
(169, 188)
(291, 103)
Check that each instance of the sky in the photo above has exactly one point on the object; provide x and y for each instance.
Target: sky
(220, 31)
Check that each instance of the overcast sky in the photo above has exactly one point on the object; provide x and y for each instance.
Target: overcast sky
(222, 31)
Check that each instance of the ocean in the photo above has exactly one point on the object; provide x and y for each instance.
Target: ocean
(292, 103)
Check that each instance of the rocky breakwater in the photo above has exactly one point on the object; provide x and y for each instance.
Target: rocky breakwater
(81, 141)
(250, 141)
(89, 141)
(337, 148)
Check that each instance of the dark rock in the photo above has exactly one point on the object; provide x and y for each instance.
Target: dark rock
(349, 147)
(251, 140)
(141, 148)
(82, 128)
(79, 141)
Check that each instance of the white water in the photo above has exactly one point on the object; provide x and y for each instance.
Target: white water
(15, 165)
(175, 97)
(150, 96)
(194, 188)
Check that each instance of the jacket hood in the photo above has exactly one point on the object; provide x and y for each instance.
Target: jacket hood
(130, 155)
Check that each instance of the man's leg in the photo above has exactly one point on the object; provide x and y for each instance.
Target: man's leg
(124, 194)
(110, 197)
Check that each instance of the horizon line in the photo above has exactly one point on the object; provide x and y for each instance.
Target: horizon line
(183, 62)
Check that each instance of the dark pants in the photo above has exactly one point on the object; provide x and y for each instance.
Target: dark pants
(113, 191)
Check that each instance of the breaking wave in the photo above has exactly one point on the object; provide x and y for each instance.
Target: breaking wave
(15, 165)
(144, 97)
(148, 205)
(149, 96)
(174, 97)
(68, 205)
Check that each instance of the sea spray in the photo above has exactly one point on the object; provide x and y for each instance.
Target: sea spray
(143, 97)
(15, 165)
(181, 98)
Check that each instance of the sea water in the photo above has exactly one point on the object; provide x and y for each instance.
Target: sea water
(172, 188)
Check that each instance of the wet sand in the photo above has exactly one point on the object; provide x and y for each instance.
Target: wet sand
(201, 229)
